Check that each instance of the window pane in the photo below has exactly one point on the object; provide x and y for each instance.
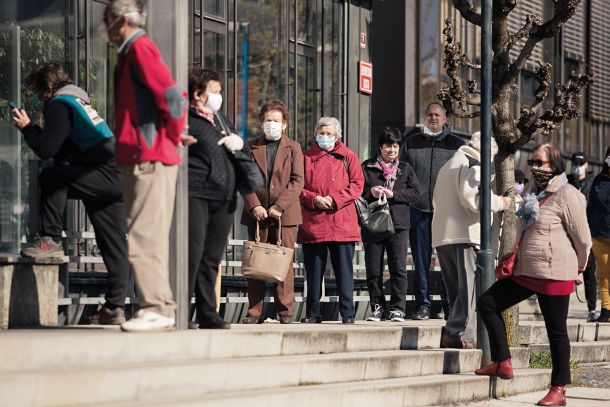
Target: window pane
(31, 32)
(259, 64)
(214, 7)
(214, 49)
(430, 50)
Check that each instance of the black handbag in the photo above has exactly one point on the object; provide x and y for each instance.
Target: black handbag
(247, 173)
(375, 218)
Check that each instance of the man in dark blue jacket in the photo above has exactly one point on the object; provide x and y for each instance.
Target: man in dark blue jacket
(426, 149)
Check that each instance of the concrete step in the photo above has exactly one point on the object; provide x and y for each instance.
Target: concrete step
(116, 381)
(582, 352)
(414, 391)
(534, 332)
(34, 349)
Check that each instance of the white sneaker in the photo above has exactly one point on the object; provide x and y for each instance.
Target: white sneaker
(397, 316)
(376, 315)
(145, 321)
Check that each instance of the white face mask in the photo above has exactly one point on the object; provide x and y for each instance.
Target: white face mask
(214, 101)
(273, 130)
(607, 161)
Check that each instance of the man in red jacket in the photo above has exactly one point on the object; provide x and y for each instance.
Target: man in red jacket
(150, 115)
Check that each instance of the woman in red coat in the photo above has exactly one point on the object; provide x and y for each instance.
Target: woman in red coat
(333, 181)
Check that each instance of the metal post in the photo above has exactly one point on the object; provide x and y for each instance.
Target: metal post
(485, 257)
(245, 29)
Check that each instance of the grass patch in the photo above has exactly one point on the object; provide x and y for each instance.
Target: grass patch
(542, 360)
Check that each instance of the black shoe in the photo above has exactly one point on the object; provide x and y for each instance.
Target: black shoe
(312, 320)
(107, 316)
(442, 314)
(604, 316)
(252, 320)
(216, 323)
(285, 320)
(421, 313)
(348, 320)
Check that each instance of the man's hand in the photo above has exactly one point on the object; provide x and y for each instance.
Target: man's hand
(275, 212)
(20, 118)
(232, 142)
(322, 202)
(506, 203)
(259, 213)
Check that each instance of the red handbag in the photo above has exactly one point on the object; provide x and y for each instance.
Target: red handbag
(506, 264)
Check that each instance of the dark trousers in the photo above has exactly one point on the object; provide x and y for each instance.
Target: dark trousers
(284, 291)
(341, 257)
(506, 293)
(209, 226)
(590, 280)
(100, 187)
(396, 247)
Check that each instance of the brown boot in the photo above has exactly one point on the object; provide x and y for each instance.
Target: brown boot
(502, 369)
(555, 397)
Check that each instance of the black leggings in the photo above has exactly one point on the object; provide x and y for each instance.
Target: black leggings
(506, 293)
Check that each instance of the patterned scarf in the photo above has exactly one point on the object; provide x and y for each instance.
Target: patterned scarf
(204, 112)
(389, 171)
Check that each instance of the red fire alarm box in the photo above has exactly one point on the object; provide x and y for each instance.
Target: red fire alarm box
(365, 77)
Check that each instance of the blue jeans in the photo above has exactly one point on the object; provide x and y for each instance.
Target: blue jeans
(341, 257)
(420, 236)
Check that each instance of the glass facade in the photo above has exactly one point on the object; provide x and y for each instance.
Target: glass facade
(298, 51)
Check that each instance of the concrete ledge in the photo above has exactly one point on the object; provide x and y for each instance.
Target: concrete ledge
(28, 291)
(583, 352)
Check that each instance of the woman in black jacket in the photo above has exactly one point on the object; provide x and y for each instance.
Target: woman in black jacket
(385, 175)
(598, 214)
(212, 190)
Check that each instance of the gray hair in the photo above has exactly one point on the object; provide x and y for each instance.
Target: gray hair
(329, 121)
(134, 11)
(475, 142)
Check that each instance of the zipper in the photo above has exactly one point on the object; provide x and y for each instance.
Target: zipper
(430, 178)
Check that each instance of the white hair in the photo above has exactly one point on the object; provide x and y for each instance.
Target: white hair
(475, 142)
(134, 11)
(329, 121)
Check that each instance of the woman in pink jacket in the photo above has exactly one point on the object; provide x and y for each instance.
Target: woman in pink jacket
(333, 181)
(553, 251)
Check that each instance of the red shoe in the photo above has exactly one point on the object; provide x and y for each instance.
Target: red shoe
(502, 369)
(555, 397)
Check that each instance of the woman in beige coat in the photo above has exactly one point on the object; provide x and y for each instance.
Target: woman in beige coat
(555, 244)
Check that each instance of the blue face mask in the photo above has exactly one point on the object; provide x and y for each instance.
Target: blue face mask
(37, 104)
(325, 142)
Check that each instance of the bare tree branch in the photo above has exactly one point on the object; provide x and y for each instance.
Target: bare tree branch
(468, 12)
(566, 105)
(530, 22)
(564, 10)
(454, 60)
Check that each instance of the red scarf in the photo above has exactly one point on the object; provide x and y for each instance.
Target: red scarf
(389, 171)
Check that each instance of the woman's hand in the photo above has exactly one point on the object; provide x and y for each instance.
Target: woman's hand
(259, 213)
(232, 142)
(20, 118)
(275, 212)
(376, 191)
(388, 193)
(322, 202)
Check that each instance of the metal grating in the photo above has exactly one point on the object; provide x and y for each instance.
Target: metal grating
(574, 34)
(516, 19)
(600, 60)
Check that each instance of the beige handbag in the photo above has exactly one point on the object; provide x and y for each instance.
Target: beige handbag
(266, 261)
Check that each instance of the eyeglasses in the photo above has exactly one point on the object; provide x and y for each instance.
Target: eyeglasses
(537, 163)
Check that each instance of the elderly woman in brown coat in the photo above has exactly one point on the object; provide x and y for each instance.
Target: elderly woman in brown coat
(553, 251)
(281, 162)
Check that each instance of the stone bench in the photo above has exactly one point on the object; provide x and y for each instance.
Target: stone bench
(28, 291)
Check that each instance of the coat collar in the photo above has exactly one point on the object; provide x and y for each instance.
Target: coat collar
(259, 153)
(339, 150)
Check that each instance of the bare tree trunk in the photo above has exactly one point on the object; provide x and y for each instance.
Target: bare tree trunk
(505, 181)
